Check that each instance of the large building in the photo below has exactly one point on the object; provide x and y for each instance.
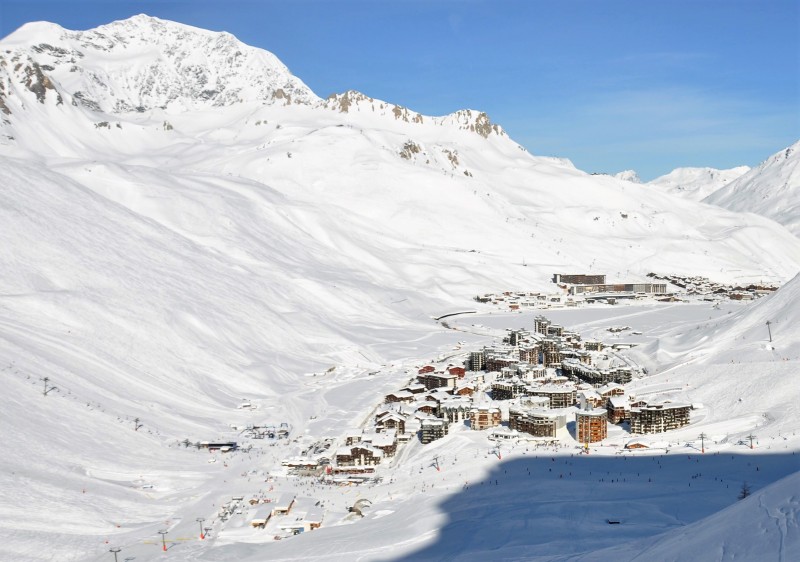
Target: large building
(650, 288)
(657, 418)
(561, 396)
(484, 417)
(591, 426)
(437, 380)
(509, 389)
(579, 279)
(536, 422)
(432, 429)
(476, 361)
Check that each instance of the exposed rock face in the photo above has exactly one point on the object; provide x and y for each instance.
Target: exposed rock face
(356, 101)
(476, 121)
(409, 149)
(144, 63)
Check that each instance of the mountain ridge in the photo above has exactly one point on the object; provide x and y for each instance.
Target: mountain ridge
(772, 189)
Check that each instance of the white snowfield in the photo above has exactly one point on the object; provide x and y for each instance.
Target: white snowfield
(187, 228)
(772, 189)
(697, 183)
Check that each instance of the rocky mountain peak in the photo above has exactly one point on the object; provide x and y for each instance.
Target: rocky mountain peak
(144, 63)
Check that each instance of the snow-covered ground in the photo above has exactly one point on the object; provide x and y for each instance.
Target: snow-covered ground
(772, 189)
(172, 252)
(696, 183)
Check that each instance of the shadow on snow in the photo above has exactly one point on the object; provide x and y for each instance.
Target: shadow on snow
(552, 507)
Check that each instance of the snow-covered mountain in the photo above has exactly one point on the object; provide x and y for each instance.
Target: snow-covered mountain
(187, 225)
(772, 189)
(628, 175)
(696, 183)
(144, 63)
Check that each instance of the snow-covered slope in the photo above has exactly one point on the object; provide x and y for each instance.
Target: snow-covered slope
(628, 175)
(772, 189)
(763, 526)
(186, 225)
(696, 183)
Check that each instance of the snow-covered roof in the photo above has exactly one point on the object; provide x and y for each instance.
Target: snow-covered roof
(619, 401)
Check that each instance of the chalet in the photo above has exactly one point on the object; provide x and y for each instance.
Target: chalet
(390, 421)
(590, 398)
(657, 418)
(483, 417)
(415, 388)
(353, 436)
(437, 395)
(591, 426)
(399, 396)
(433, 429)
(358, 455)
(637, 444)
(611, 389)
(430, 408)
(619, 409)
(459, 372)
(385, 442)
(464, 389)
(426, 369)
(343, 457)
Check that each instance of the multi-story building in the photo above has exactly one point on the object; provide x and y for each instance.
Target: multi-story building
(561, 396)
(484, 417)
(539, 423)
(455, 410)
(657, 418)
(432, 429)
(529, 353)
(476, 361)
(509, 389)
(437, 380)
(591, 426)
(618, 408)
(579, 279)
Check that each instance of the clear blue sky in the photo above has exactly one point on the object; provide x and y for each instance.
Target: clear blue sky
(610, 84)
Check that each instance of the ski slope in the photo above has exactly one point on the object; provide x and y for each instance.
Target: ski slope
(172, 250)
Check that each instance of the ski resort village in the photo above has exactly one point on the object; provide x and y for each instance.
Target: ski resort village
(543, 394)
(241, 321)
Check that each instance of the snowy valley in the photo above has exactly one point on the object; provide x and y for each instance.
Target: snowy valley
(196, 244)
